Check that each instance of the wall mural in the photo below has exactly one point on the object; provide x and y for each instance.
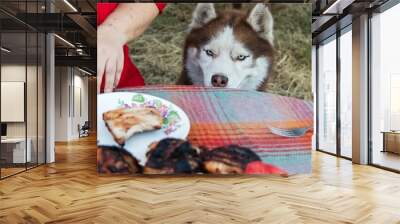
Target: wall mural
(204, 88)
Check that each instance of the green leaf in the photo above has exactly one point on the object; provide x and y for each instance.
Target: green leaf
(165, 121)
(138, 98)
(157, 103)
(173, 115)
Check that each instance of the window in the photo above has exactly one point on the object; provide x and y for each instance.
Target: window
(385, 89)
(22, 77)
(346, 93)
(327, 95)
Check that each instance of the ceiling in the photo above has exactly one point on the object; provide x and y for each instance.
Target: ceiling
(40, 5)
(330, 15)
(74, 22)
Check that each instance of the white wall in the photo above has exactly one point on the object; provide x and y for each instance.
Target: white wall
(61, 103)
(80, 102)
(33, 127)
(12, 73)
(71, 93)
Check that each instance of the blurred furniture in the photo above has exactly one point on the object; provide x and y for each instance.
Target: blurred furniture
(13, 150)
(84, 130)
(391, 141)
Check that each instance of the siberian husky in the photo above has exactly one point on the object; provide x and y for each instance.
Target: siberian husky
(232, 49)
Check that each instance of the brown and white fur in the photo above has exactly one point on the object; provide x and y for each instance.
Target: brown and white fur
(232, 49)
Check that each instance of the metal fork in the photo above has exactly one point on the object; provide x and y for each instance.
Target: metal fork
(291, 133)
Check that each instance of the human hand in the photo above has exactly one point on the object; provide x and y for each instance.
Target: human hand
(124, 24)
(110, 56)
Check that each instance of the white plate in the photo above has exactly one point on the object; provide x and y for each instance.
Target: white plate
(176, 122)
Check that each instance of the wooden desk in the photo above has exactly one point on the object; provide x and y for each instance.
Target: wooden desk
(391, 141)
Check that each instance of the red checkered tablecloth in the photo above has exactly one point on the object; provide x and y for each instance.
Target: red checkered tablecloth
(228, 116)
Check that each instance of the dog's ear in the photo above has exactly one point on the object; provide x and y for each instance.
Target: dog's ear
(260, 19)
(203, 14)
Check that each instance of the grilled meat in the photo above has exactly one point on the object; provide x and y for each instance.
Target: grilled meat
(123, 123)
(228, 160)
(111, 159)
(170, 156)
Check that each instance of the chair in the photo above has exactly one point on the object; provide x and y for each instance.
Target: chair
(84, 130)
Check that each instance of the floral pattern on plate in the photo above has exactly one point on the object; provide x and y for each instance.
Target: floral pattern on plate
(171, 117)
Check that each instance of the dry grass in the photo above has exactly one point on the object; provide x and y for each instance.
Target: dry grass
(158, 52)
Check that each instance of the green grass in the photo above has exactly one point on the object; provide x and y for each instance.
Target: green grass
(158, 52)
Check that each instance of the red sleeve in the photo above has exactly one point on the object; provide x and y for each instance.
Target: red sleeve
(103, 10)
(161, 6)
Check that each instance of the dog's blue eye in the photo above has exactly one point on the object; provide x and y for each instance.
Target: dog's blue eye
(241, 57)
(209, 53)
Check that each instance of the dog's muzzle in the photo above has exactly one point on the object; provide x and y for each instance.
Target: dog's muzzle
(219, 80)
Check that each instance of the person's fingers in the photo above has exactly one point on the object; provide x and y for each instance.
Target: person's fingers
(100, 71)
(120, 66)
(99, 79)
(111, 67)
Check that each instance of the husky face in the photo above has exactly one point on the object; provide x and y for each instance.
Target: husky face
(232, 50)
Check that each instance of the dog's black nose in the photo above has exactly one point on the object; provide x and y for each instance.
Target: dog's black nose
(219, 80)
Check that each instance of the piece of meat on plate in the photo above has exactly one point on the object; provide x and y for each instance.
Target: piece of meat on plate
(173, 156)
(123, 123)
